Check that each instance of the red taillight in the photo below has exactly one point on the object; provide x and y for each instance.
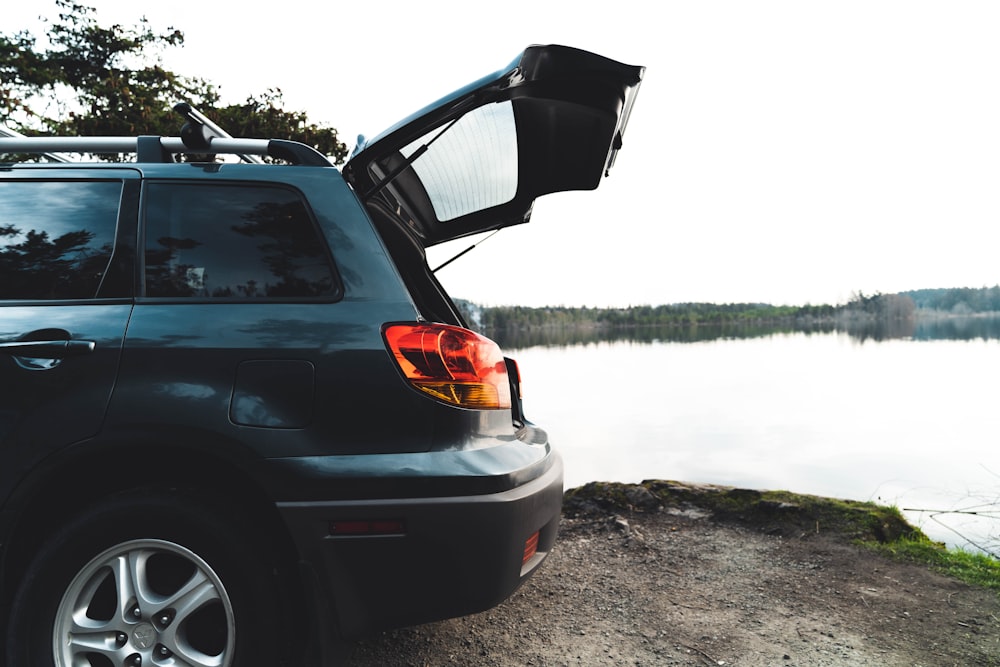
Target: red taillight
(530, 548)
(452, 364)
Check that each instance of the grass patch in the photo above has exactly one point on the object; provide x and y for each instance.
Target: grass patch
(878, 527)
(978, 569)
(774, 512)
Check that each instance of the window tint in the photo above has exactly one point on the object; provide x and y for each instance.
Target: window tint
(56, 237)
(232, 242)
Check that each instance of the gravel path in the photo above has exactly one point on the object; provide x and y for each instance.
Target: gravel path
(675, 587)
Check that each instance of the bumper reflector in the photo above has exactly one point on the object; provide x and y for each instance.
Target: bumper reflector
(530, 548)
(362, 527)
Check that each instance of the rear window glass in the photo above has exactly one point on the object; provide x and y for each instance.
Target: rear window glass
(56, 237)
(233, 242)
(471, 165)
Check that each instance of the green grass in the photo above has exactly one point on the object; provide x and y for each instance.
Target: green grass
(979, 569)
(775, 512)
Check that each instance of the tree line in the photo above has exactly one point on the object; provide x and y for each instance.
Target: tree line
(508, 317)
(957, 300)
(86, 78)
(897, 307)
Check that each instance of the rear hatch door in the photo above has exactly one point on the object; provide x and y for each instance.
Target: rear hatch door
(551, 121)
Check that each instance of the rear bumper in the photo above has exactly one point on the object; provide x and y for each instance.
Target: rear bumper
(453, 555)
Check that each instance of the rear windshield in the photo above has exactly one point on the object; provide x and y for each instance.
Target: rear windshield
(472, 165)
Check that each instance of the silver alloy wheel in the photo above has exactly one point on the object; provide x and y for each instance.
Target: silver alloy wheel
(145, 602)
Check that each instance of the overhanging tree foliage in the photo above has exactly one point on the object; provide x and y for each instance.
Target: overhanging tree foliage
(110, 81)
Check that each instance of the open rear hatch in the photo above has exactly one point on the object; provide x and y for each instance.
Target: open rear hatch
(474, 161)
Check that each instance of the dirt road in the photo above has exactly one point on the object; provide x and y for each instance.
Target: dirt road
(675, 586)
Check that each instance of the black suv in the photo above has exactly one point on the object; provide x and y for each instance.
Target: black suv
(238, 414)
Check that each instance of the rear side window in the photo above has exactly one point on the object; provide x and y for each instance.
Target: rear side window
(233, 242)
(56, 237)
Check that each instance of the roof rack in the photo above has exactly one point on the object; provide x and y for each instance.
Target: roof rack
(11, 134)
(199, 136)
(162, 149)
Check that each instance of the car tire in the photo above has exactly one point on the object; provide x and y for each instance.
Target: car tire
(148, 579)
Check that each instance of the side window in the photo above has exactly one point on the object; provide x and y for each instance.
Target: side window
(233, 242)
(56, 237)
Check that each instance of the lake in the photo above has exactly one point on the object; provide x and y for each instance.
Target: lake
(911, 421)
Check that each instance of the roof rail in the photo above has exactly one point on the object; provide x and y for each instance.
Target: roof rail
(161, 149)
(6, 132)
(199, 136)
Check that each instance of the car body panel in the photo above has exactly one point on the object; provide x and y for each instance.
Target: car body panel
(54, 400)
(459, 553)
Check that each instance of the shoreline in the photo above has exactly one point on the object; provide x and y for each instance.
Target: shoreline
(669, 573)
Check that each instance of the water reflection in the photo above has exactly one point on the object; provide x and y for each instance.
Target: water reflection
(958, 328)
(983, 327)
(568, 336)
(900, 416)
(928, 327)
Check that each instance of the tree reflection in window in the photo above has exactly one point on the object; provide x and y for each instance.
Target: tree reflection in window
(56, 237)
(165, 276)
(233, 242)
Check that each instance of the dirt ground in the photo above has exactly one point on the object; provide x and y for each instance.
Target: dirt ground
(676, 586)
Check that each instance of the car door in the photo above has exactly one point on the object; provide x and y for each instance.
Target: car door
(222, 345)
(65, 298)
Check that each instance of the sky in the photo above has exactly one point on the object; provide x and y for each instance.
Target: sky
(780, 151)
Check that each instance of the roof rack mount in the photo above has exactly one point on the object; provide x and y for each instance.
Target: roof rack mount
(199, 130)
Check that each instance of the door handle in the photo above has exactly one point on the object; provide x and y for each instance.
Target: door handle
(48, 349)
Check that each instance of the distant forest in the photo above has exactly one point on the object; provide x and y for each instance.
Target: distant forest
(957, 300)
(860, 307)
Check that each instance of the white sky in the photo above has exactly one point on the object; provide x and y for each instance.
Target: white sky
(787, 152)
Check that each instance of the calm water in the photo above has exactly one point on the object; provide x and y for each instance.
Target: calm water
(911, 421)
